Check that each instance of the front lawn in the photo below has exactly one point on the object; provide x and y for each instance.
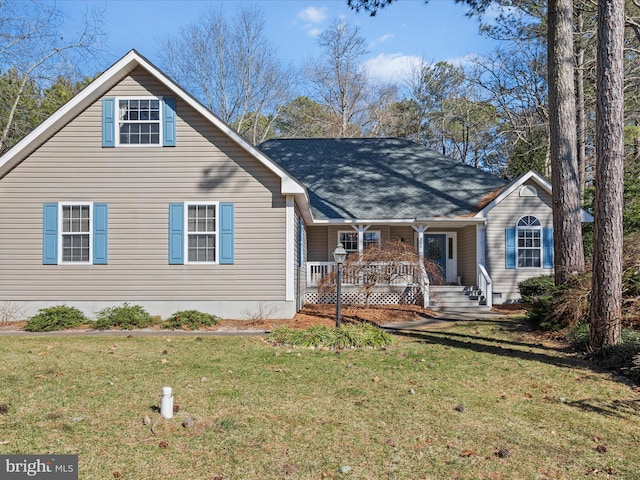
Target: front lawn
(479, 400)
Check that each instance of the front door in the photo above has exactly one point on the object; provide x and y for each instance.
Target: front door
(435, 250)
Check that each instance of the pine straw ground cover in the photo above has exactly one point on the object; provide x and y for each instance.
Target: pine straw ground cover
(476, 400)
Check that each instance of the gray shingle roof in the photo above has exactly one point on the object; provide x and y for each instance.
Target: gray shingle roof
(382, 178)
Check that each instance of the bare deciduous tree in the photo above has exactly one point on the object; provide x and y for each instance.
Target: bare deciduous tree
(36, 53)
(232, 69)
(338, 80)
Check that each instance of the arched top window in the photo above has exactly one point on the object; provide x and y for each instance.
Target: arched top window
(529, 242)
(529, 221)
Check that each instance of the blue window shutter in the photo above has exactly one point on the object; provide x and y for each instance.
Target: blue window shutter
(226, 234)
(169, 122)
(108, 122)
(510, 247)
(547, 248)
(50, 234)
(176, 233)
(100, 233)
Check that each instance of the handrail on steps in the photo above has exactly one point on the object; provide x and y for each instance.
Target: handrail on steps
(484, 285)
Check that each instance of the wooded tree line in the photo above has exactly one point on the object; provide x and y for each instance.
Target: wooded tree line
(491, 112)
(541, 101)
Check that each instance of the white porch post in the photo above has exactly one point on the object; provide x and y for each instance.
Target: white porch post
(426, 301)
(481, 245)
(289, 258)
(420, 229)
(361, 229)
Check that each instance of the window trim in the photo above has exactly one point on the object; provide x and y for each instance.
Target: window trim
(61, 233)
(118, 121)
(540, 230)
(187, 232)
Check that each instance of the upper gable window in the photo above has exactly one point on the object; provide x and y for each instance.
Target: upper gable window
(139, 121)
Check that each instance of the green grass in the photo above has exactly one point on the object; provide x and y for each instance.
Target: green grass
(265, 412)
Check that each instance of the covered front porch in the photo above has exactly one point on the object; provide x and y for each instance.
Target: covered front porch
(457, 247)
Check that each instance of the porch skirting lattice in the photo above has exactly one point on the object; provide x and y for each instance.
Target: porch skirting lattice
(410, 295)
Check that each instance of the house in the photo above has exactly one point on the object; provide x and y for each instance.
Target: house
(482, 231)
(134, 192)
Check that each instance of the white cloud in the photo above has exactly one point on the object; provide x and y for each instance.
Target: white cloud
(464, 61)
(382, 39)
(391, 67)
(314, 32)
(310, 18)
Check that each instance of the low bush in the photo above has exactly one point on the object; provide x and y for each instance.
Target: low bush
(551, 307)
(623, 358)
(190, 320)
(125, 317)
(59, 317)
(578, 337)
(533, 288)
(349, 336)
(539, 294)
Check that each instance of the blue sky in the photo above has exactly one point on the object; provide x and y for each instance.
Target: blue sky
(400, 34)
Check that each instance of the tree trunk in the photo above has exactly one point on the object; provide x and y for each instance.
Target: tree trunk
(567, 221)
(581, 122)
(606, 293)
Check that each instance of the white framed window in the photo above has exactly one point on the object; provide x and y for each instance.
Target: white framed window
(76, 230)
(370, 238)
(139, 121)
(529, 242)
(349, 240)
(201, 227)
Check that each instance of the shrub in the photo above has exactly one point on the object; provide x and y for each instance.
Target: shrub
(539, 294)
(55, 318)
(126, 317)
(190, 320)
(623, 358)
(551, 307)
(578, 337)
(534, 288)
(349, 336)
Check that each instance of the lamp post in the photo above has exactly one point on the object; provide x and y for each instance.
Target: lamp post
(339, 255)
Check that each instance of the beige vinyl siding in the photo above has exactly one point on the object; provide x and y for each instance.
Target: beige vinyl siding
(401, 233)
(505, 215)
(322, 240)
(467, 255)
(317, 238)
(138, 183)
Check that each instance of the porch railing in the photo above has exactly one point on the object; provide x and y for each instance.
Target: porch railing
(387, 275)
(396, 274)
(484, 285)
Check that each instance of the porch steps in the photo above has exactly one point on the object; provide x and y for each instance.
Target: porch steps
(457, 298)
